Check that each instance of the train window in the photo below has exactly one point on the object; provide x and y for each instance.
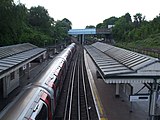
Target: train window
(56, 82)
(47, 100)
(42, 115)
(40, 112)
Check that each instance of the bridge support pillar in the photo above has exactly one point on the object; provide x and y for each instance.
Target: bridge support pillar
(28, 70)
(81, 38)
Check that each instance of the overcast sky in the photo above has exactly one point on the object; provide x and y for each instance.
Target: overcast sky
(91, 12)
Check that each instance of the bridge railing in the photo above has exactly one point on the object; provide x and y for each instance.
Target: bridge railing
(103, 31)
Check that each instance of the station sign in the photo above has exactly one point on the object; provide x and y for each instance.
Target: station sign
(24, 67)
(139, 97)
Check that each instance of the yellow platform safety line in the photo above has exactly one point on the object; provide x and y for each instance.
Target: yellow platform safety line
(102, 115)
(103, 118)
(98, 102)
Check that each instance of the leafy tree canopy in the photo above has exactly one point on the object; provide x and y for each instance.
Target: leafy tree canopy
(106, 22)
(19, 24)
(39, 17)
(90, 26)
(127, 30)
(100, 25)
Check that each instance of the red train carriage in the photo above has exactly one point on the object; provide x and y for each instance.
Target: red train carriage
(32, 104)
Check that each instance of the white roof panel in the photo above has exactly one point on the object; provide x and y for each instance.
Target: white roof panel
(102, 47)
(116, 63)
(15, 49)
(128, 58)
(11, 61)
(7, 62)
(105, 63)
(6, 65)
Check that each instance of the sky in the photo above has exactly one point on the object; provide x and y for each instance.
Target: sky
(91, 12)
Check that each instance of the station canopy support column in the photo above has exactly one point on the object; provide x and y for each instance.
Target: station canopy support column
(117, 90)
(153, 100)
(83, 39)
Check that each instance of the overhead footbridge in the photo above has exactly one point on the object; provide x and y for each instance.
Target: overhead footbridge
(89, 31)
(117, 65)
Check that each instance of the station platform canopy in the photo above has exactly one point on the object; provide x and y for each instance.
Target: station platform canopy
(16, 56)
(118, 65)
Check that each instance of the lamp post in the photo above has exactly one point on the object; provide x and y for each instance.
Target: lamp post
(44, 43)
(55, 48)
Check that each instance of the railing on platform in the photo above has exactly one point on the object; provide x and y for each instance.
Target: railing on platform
(154, 52)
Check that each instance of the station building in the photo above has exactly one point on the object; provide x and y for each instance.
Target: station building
(16, 60)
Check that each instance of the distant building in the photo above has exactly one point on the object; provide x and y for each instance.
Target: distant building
(110, 26)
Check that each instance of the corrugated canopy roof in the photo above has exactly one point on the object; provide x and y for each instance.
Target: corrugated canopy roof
(118, 65)
(11, 56)
(14, 49)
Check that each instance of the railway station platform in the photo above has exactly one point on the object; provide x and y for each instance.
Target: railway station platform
(108, 106)
(24, 80)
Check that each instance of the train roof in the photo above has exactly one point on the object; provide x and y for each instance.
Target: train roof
(48, 72)
(53, 68)
(21, 104)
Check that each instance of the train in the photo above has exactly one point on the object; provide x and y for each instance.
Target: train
(38, 100)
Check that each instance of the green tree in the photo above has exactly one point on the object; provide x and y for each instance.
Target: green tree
(68, 23)
(100, 25)
(12, 19)
(122, 27)
(138, 19)
(19, 25)
(39, 17)
(90, 26)
(109, 21)
(155, 25)
(61, 30)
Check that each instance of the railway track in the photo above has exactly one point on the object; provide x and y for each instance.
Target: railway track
(78, 104)
(77, 101)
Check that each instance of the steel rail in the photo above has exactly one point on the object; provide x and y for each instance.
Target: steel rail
(72, 92)
(85, 93)
(76, 106)
(79, 106)
(69, 89)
